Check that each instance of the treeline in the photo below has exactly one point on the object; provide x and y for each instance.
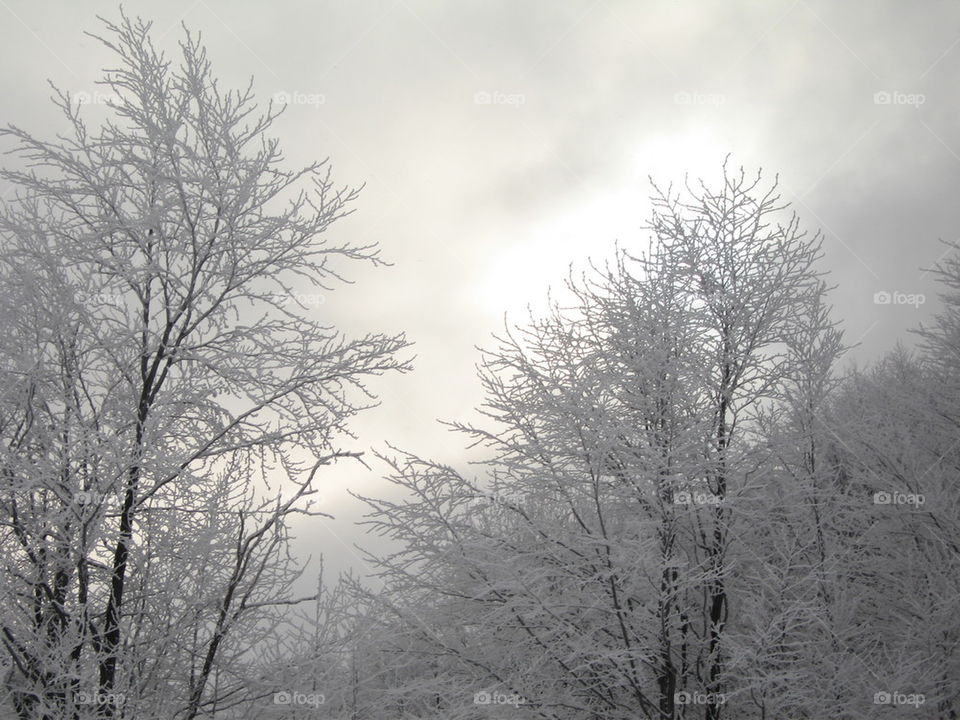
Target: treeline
(687, 510)
(686, 507)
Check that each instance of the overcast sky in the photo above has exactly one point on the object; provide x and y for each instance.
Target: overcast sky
(500, 141)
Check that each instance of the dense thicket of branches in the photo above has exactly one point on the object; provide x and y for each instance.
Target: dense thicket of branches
(687, 510)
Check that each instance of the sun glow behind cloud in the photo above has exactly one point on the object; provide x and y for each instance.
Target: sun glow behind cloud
(538, 257)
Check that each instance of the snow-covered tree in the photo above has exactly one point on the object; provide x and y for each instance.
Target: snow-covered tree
(595, 553)
(895, 432)
(168, 397)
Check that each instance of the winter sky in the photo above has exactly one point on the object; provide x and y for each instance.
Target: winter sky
(500, 141)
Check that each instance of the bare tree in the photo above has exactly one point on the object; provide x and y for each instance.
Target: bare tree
(160, 362)
(625, 427)
(755, 276)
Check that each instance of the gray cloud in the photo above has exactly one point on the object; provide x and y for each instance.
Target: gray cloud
(481, 205)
